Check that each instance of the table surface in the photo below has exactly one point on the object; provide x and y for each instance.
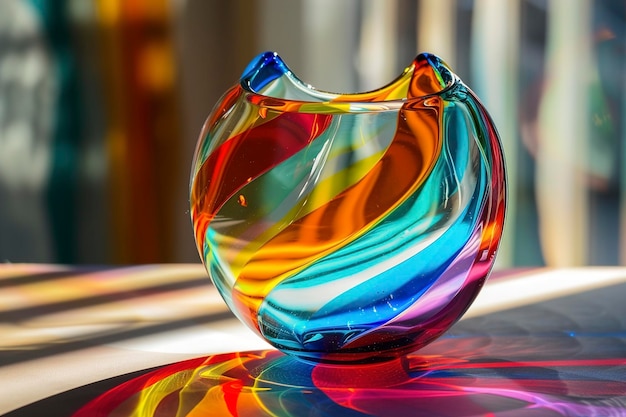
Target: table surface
(536, 342)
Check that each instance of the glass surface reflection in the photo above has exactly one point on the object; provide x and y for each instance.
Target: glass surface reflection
(473, 380)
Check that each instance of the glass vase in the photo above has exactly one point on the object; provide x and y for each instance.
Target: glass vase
(348, 228)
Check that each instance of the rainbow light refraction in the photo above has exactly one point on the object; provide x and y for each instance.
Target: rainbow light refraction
(348, 227)
(267, 383)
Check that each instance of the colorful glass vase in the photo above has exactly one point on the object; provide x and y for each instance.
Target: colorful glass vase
(348, 228)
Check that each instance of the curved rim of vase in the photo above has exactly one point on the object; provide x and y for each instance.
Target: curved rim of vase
(346, 103)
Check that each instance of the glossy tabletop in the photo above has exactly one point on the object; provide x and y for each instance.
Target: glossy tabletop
(104, 341)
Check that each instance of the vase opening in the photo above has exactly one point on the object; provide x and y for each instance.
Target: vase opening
(268, 76)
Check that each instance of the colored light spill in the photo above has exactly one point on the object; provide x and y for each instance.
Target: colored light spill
(348, 228)
(266, 383)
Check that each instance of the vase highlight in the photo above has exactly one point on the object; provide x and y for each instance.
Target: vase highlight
(348, 228)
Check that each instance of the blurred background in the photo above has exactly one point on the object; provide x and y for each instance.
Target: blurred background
(101, 103)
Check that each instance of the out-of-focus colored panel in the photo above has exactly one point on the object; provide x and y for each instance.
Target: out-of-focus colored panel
(377, 49)
(328, 53)
(27, 96)
(436, 28)
(563, 135)
(143, 127)
(494, 64)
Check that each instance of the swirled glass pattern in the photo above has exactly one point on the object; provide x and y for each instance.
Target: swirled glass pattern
(348, 227)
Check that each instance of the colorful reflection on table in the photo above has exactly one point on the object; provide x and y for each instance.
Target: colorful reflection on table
(471, 381)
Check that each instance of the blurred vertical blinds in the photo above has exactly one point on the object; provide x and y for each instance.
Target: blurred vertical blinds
(102, 120)
(553, 75)
(101, 102)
